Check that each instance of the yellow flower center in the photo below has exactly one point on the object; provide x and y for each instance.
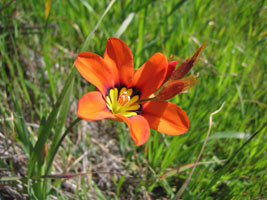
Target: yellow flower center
(123, 102)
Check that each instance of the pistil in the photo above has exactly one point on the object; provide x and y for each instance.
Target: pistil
(123, 102)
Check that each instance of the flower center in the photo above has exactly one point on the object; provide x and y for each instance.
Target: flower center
(122, 101)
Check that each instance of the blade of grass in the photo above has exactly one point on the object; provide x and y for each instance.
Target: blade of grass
(141, 32)
(53, 153)
(86, 43)
(175, 171)
(59, 126)
(124, 25)
(49, 73)
(60, 123)
(121, 181)
(21, 128)
(45, 130)
(236, 135)
(178, 5)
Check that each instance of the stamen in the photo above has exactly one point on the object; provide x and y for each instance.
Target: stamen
(109, 104)
(133, 100)
(130, 108)
(120, 101)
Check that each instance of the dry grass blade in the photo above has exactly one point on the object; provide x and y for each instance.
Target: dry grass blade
(181, 191)
(185, 167)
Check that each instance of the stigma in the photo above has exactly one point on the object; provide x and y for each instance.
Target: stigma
(124, 98)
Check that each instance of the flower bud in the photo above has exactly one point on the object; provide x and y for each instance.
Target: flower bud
(185, 67)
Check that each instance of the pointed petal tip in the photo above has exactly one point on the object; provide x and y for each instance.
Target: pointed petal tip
(139, 128)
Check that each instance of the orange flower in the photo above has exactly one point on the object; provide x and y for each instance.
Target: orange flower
(126, 94)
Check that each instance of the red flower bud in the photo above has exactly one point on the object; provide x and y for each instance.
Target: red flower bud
(174, 87)
(185, 67)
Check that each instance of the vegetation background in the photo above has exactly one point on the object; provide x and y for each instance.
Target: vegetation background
(47, 153)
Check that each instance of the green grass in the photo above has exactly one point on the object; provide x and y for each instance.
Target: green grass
(40, 89)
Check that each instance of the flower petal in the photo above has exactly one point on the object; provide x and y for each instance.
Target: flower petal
(119, 57)
(93, 68)
(93, 107)
(165, 117)
(150, 76)
(139, 128)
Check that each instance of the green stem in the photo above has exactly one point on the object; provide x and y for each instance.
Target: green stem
(149, 99)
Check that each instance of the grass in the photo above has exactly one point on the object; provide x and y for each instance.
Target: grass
(40, 90)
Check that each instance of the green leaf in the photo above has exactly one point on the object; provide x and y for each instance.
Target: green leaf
(45, 130)
(21, 128)
(58, 130)
(121, 181)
